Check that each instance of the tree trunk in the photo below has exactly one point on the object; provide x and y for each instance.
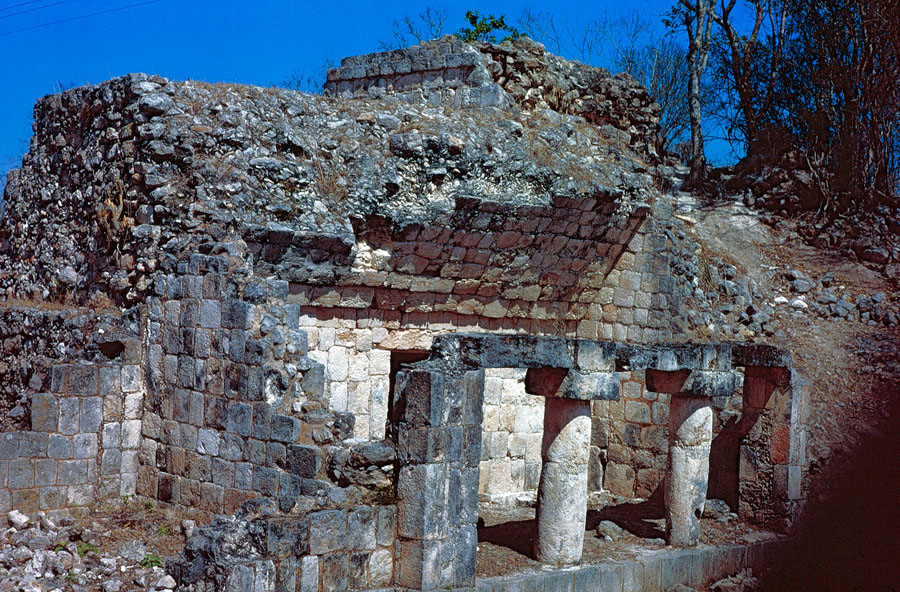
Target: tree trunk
(698, 155)
(697, 20)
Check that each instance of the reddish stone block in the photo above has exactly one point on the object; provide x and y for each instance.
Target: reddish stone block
(780, 444)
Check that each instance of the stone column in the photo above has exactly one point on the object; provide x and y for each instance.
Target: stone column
(690, 439)
(562, 492)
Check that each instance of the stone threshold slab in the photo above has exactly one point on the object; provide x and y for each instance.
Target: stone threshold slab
(652, 570)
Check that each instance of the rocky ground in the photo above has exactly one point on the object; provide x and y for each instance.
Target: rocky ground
(120, 548)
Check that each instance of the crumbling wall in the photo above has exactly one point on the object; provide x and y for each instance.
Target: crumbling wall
(448, 71)
(73, 393)
(83, 443)
(235, 406)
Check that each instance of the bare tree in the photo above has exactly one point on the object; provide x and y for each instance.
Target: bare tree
(429, 24)
(696, 18)
(662, 68)
(751, 76)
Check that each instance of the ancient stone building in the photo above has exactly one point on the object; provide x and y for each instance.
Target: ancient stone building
(349, 318)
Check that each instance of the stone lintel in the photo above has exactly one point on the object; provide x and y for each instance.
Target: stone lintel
(699, 383)
(561, 383)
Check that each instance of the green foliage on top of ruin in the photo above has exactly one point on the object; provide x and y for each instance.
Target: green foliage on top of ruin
(483, 28)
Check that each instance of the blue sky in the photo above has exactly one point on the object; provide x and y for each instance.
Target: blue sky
(261, 42)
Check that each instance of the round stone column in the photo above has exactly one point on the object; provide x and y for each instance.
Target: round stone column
(562, 492)
(690, 439)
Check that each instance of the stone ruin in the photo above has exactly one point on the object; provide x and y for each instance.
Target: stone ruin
(349, 320)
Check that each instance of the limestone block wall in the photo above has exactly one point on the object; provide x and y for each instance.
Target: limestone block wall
(83, 444)
(443, 72)
(512, 429)
(235, 406)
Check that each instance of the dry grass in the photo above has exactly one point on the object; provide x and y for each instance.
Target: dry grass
(37, 304)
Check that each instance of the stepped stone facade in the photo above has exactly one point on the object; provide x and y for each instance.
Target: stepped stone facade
(342, 356)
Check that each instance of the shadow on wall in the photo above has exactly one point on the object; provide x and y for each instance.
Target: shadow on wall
(848, 537)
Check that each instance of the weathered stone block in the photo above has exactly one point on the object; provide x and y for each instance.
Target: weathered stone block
(70, 416)
(84, 380)
(327, 531)
(21, 473)
(361, 528)
(59, 447)
(240, 579)
(111, 462)
(112, 435)
(44, 472)
(52, 498)
(44, 413)
(309, 574)
(73, 472)
(288, 537)
(33, 444)
(85, 446)
(265, 480)
(239, 418)
(208, 442)
(131, 378)
(91, 414)
(262, 421)
(9, 446)
(334, 569)
(285, 428)
(304, 460)
(423, 391)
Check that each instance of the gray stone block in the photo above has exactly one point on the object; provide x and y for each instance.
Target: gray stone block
(327, 531)
(33, 444)
(240, 579)
(262, 421)
(313, 383)
(231, 447)
(239, 418)
(44, 413)
(187, 436)
(208, 442)
(265, 480)
(111, 462)
(286, 575)
(386, 525)
(304, 460)
(21, 473)
(91, 414)
(85, 446)
(190, 313)
(69, 416)
(59, 447)
(275, 454)
(288, 537)
(558, 582)
(589, 577)
(110, 380)
(72, 472)
(52, 498)
(44, 471)
(613, 578)
(677, 568)
(210, 314)
(285, 428)
(222, 472)
(112, 435)
(9, 446)
(84, 380)
(131, 378)
(243, 475)
(361, 527)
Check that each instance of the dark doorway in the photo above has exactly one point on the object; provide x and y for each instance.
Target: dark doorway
(398, 359)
